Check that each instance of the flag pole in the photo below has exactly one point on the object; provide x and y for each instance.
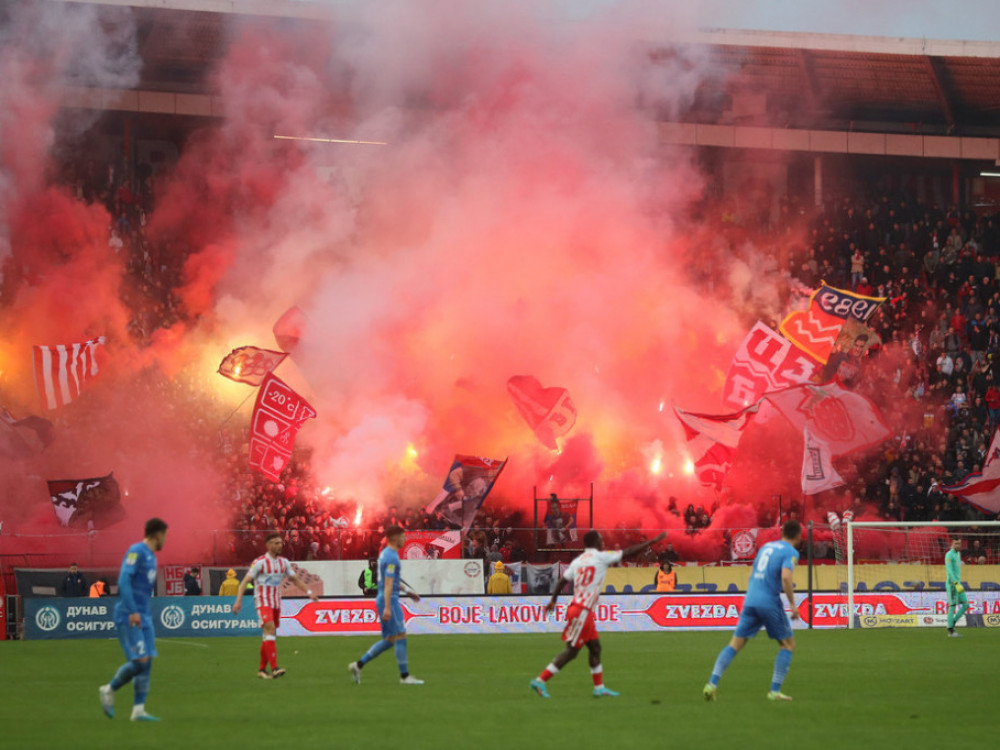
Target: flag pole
(238, 407)
(240, 404)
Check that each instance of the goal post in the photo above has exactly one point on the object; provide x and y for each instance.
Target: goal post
(922, 545)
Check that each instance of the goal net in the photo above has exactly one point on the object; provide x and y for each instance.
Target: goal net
(893, 573)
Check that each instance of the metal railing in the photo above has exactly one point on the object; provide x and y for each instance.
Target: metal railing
(103, 548)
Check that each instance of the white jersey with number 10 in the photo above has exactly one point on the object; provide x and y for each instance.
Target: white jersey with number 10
(587, 573)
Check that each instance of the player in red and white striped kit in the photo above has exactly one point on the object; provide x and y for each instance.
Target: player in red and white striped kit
(587, 573)
(268, 572)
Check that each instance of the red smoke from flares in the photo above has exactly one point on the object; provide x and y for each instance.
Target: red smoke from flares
(523, 219)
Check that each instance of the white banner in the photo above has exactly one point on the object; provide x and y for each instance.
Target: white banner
(621, 613)
(437, 577)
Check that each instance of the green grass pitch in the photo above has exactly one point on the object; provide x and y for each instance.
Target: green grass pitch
(897, 689)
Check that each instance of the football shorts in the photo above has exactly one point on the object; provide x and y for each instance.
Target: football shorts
(581, 627)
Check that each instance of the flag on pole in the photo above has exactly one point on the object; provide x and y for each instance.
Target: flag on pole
(20, 438)
(743, 545)
(764, 362)
(982, 489)
(818, 474)
(816, 329)
(469, 481)
(62, 371)
(87, 503)
(548, 411)
(289, 328)
(712, 441)
(845, 421)
(249, 364)
(277, 417)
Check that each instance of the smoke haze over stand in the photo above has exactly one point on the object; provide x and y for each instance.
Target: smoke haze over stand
(523, 218)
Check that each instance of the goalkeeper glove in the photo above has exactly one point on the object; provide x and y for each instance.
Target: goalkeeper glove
(959, 588)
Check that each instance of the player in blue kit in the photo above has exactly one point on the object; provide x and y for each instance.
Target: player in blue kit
(133, 617)
(391, 611)
(762, 608)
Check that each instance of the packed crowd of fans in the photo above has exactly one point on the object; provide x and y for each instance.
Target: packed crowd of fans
(929, 360)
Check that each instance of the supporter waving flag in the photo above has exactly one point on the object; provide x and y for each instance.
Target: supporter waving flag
(712, 441)
(249, 364)
(277, 417)
(843, 420)
(816, 329)
(62, 371)
(818, 474)
(982, 489)
(87, 503)
(548, 411)
(764, 362)
(469, 481)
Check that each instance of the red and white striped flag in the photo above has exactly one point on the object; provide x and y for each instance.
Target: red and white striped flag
(62, 371)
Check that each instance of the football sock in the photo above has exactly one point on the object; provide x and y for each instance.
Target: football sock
(726, 657)
(951, 616)
(142, 682)
(263, 654)
(597, 673)
(401, 658)
(374, 651)
(124, 675)
(271, 648)
(549, 673)
(781, 664)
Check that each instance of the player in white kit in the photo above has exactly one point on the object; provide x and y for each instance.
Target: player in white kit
(267, 573)
(587, 573)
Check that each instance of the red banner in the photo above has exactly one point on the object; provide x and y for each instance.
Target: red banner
(764, 362)
(830, 610)
(277, 417)
(173, 579)
(331, 616)
(432, 545)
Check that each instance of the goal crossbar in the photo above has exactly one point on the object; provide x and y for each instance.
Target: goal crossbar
(903, 525)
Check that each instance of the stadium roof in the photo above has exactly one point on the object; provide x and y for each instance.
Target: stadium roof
(756, 79)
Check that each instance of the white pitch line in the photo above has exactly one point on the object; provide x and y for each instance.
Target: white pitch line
(181, 642)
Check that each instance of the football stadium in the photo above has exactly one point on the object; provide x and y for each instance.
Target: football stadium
(579, 373)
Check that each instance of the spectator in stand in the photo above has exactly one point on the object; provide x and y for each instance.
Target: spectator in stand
(857, 268)
(230, 586)
(517, 553)
(976, 554)
(499, 583)
(993, 407)
(669, 554)
(74, 584)
(192, 582)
